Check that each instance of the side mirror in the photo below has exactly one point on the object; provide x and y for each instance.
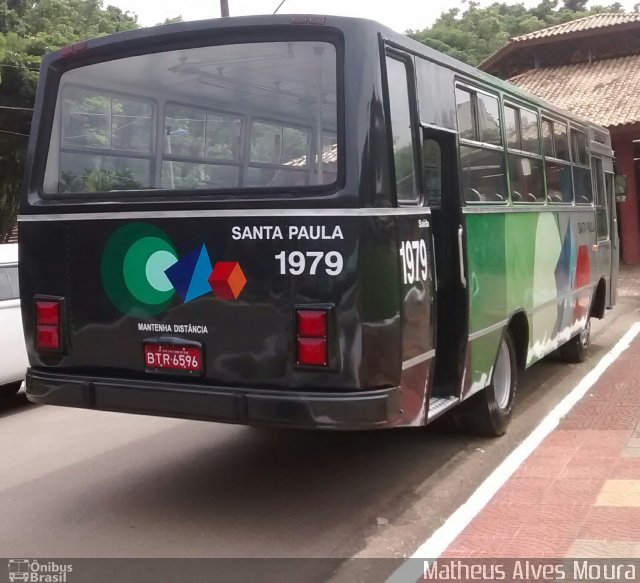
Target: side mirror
(621, 187)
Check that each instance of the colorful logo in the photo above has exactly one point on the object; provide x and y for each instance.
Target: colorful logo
(142, 273)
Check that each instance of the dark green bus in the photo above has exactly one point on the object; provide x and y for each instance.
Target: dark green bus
(303, 221)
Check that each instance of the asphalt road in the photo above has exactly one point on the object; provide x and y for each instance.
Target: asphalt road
(78, 483)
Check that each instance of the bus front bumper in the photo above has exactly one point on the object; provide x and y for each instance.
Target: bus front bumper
(336, 410)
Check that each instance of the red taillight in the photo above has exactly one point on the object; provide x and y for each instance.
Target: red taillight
(312, 351)
(48, 325)
(48, 312)
(73, 49)
(48, 337)
(310, 19)
(311, 338)
(312, 323)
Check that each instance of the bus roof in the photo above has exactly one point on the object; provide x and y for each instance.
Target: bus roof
(317, 22)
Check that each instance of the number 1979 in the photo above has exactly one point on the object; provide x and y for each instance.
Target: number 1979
(297, 263)
(414, 261)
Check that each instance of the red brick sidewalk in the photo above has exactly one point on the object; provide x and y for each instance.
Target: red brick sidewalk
(578, 494)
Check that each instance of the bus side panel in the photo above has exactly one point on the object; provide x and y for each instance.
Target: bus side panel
(486, 257)
(538, 263)
(581, 266)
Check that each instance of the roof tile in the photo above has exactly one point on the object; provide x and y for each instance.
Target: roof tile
(602, 91)
(594, 21)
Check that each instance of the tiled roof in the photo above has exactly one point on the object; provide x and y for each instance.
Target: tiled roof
(587, 23)
(329, 156)
(604, 92)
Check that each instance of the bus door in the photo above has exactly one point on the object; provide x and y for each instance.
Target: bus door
(440, 189)
(612, 292)
(606, 224)
(414, 240)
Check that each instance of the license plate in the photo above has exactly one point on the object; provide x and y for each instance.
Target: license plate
(173, 357)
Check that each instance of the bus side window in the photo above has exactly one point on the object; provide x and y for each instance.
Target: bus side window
(432, 170)
(403, 150)
(481, 150)
(556, 162)
(583, 189)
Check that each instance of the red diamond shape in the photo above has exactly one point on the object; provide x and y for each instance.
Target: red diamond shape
(227, 280)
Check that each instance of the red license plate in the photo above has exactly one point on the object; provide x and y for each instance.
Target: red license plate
(173, 357)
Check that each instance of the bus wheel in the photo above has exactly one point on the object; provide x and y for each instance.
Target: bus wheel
(488, 412)
(9, 390)
(575, 350)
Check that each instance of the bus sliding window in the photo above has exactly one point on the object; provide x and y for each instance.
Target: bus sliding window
(106, 141)
(483, 177)
(221, 118)
(526, 178)
(197, 133)
(559, 185)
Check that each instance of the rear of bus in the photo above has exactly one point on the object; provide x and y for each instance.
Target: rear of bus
(204, 230)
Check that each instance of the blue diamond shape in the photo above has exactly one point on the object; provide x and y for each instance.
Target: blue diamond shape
(189, 276)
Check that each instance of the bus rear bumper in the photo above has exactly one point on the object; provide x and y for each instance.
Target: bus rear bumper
(345, 410)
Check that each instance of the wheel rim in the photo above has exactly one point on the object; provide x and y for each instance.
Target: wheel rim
(585, 335)
(502, 376)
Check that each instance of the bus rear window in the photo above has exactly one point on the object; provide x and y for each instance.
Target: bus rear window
(227, 117)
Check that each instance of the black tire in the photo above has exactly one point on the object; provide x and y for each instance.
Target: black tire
(576, 349)
(488, 412)
(9, 390)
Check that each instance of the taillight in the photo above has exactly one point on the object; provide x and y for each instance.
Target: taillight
(310, 19)
(74, 49)
(311, 338)
(48, 334)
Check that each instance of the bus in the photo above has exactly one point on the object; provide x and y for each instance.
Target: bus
(303, 221)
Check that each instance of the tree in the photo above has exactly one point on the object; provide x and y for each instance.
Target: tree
(28, 30)
(476, 33)
(174, 20)
(575, 5)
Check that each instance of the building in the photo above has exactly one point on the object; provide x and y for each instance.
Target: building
(591, 67)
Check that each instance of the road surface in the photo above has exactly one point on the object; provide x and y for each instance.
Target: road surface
(79, 483)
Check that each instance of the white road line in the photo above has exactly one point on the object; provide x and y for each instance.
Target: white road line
(439, 541)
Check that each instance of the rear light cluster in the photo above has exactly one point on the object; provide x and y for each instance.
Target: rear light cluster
(311, 338)
(74, 49)
(310, 19)
(48, 334)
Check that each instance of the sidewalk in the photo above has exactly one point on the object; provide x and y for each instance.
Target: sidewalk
(629, 281)
(578, 494)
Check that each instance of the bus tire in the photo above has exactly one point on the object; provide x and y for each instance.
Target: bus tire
(9, 390)
(488, 412)
(575, 350)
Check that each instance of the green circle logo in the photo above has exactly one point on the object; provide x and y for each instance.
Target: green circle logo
(133, 267)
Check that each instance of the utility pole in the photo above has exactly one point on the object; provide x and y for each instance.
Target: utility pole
(224, 7)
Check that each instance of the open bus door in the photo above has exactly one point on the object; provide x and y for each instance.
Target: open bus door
(612, 292)
(440, 184)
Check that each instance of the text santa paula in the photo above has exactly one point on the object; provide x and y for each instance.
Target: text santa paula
(292, 232)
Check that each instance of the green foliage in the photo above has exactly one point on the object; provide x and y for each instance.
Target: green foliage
(99, 179)
(475, 33)
(174, 20)
(275, 144)
(28, 30)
